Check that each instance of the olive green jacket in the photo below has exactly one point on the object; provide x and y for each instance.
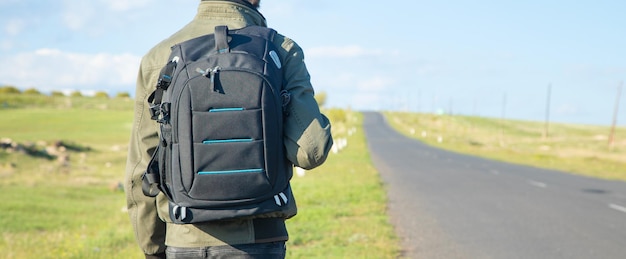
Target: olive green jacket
(307, 137)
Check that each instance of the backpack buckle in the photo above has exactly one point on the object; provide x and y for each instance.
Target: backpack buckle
(165, 77)
(164, 82)
(160, 112)
(179, 212)
(164, 110)
(155, 111)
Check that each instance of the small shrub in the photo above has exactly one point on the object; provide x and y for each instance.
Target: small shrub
(57, 94)
(122, 95)
(102, 94)
(76, 94)
(321, 98)
(32, 91)
(7, 89)
(337, 115)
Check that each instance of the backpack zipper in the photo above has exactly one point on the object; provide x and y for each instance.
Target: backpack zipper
(211, 73)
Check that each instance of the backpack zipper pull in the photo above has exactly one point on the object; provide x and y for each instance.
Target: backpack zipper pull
(212, 76)
(211, 73)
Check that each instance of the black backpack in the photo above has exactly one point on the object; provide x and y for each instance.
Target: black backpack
(220, 105)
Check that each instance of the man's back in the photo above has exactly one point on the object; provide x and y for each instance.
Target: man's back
(304, 150)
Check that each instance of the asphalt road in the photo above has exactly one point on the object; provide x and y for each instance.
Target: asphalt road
(448, 205)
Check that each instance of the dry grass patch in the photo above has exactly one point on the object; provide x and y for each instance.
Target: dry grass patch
(580, 149)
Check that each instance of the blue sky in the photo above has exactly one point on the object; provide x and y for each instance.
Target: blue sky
(483, 57)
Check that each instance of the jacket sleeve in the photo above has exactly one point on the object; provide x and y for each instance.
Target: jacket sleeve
(308, 138)
(148, 227)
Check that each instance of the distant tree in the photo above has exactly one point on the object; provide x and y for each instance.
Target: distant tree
(56, 93)
(32, 91)
(321, 98)
(101, 94)
(76, 94)
(122, 95)
(337, 115)
(8, 89)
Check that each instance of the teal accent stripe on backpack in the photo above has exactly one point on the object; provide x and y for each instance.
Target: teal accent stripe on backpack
(216, 141)
(226, 109)
(243, 171)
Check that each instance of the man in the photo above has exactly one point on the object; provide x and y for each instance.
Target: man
(307, 142)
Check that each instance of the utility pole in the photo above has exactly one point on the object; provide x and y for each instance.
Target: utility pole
(475, 109)
(503, 106)
(547, 124)
(615, 112)
(419, 100)
(503, 119)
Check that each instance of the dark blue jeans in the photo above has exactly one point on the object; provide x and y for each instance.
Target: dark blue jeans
(246, 251)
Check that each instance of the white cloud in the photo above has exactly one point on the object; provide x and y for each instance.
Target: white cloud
(350, 51)
(8, 2)
(53, 69)
(374, 84)
(125, 5)
(287, 9)
(14, 27)
(567, 108)
(367, 101)
(6, 45)
(78, 13)
(359, 91)
(430, 69)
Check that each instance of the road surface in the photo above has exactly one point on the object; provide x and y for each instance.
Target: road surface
(448, 205)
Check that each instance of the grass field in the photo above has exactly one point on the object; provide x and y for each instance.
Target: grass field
(75, 208)
(580, 149)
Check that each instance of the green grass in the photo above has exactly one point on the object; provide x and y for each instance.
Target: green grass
(78, 125)
(75, 210)
(50, 221)
(103, 132)
(579, 149)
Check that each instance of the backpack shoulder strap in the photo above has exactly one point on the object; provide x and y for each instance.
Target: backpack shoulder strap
(156, 97)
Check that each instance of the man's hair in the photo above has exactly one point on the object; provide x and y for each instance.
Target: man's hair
(255, 3)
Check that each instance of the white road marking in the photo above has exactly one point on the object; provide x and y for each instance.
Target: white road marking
(617, 207)
(537, 184)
